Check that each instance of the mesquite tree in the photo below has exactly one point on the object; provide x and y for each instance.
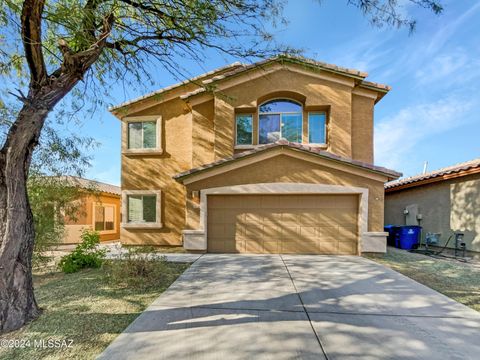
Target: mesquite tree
(48, 46)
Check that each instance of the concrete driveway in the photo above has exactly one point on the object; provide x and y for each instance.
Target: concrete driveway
(298, 307)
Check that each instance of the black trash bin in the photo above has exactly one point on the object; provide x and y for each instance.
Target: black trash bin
(392, 233)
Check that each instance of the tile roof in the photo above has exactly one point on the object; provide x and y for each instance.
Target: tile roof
(174, 86)
(238, 68)
(454, 170)
(294, 146)
(91, 184)
(290, 58)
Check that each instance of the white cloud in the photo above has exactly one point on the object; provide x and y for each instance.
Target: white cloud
(449, 68)
(397, 136)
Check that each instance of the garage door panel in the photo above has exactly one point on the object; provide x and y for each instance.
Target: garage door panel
(348, 233)
(254, 246)
(289, 232)
(271, 246)
(328, 231)
(215, 245)
(274, 231)
(216, 230)
(230, 246)
(308, 218)
(291, 218)
(308, 233)
(240, 245)
(299, 247)
(347, 247)
(328, 247)
(306, 224)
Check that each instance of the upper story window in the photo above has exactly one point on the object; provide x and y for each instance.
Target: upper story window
(317, 123)
(142, 135)
(244, 129)
(279, 119)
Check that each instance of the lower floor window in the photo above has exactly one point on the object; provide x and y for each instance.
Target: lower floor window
(142, 208)
(104, 218)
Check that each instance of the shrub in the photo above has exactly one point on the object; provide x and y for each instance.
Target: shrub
(85, 255)
(139, 270)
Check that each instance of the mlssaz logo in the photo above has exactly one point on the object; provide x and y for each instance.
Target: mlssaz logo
(53, 343)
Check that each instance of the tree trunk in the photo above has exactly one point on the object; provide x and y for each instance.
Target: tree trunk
(17, 233)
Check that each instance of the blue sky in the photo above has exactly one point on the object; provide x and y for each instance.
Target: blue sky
(429, 115)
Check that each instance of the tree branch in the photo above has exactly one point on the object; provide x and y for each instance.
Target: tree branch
(31, 19)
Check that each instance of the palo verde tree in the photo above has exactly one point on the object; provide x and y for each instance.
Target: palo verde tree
(48, 47)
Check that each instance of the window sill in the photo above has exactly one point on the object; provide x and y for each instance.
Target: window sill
(245, 147)
(142, 225)
(106, 232)
(139, 152)
(321, 146)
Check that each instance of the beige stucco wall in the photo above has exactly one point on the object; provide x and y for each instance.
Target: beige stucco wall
(317, 94)
(154, 172)
(201, 132)
(446, 206)
(362, 128)
(285, 169)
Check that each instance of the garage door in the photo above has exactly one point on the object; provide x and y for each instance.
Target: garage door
(287, 224)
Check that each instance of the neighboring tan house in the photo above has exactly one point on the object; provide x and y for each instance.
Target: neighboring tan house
(98, 209)
(441, 201)
(272, 157)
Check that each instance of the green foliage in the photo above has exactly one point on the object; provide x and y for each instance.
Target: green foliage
(85, 255)
(139, 270)
(51, 199)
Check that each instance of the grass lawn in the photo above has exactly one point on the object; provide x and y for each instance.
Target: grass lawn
(84, 307)
(457, 280)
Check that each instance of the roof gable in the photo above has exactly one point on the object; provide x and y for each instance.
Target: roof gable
(224, 164)
(208, 81)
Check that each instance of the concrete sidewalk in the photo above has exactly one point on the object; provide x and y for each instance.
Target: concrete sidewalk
(304, 307)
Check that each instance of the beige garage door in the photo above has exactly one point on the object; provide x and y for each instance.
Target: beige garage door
(286, 224)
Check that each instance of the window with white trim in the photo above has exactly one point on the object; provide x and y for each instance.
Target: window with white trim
(280, 119)
(142, 208)
(142, 135)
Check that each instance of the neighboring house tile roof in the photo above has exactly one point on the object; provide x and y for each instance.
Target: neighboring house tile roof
(454, 171)
(294, 146)
(237, 68)
(91, 185)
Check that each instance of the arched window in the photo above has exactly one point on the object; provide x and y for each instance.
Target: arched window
(279, 119)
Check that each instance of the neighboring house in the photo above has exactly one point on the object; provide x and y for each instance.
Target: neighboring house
(98, 209)
(441, 201)
(272, 157)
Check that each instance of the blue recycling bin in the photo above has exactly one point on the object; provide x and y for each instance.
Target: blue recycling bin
(408, 237)
(392, 233)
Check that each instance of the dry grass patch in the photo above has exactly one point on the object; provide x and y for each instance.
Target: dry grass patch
(88, 307)
(457, 280)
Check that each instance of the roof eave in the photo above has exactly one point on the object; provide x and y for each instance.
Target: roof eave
(390, 175)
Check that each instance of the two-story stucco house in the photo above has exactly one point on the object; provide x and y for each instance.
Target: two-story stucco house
(271, 157)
